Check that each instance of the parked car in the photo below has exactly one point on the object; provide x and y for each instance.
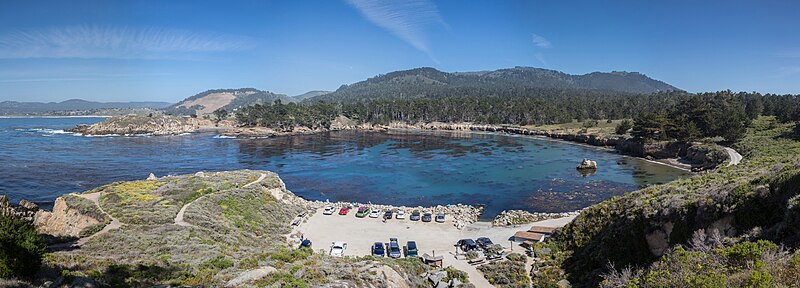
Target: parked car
(414, 216)
(375, 213)
(362, 212)
(467, 245)
(305, 244)
(377, 249)
(337, 249)
(484, 242)
(426, 217)
(344, 211)
(329, 210)
(411, 249)
(394, 248)
(440, 217)
(387, 215)
(400, 215)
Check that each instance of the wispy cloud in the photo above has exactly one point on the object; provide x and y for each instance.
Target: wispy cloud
(113, 42)
(541, 42)
(539, 56)
(406, 19)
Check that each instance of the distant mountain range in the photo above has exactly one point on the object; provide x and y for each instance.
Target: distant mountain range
(429, 82)
(414, 83)
(38, 108)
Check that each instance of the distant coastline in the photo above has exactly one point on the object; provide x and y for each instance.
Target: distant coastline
(52, 117)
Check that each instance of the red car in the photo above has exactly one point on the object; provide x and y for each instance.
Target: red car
(344, 211)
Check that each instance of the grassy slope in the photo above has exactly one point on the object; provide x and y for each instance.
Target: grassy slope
(237, 229)
(753, 197)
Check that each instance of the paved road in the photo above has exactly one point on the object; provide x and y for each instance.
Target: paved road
(735, 156)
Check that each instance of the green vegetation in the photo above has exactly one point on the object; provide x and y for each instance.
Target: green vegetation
(85, 207)
(518, 81)
(507, 273)
(21, 248)
(157, 202)
(717, 215)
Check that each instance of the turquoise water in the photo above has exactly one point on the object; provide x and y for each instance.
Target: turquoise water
(39, 162)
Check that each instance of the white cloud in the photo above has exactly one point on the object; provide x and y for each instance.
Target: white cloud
(112, 42)
(541, 42)
(405, 19)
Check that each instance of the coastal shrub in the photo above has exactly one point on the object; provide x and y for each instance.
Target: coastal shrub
(287, 255)
(453, 273)
(507, 273)
(219, 263)
(21, 248)
(624, 126)
(85, 207)
(91, 230)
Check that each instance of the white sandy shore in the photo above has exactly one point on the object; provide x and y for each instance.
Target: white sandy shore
(431, 237)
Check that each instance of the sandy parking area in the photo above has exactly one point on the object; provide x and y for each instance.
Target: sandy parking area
(431, 237)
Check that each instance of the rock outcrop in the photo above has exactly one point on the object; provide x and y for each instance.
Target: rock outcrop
(66, 220)
(144, 125)
(26, 210)
(587, 164)
(517, 217)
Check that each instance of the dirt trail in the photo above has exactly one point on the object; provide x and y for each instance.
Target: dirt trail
(736, 158)
(179, 218)
(115, 224)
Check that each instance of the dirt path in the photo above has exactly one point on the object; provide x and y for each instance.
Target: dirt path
(179, 218)
(115, 224)
(736, 158)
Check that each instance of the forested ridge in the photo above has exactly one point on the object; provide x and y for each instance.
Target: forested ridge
(660, 116)
(519, 81)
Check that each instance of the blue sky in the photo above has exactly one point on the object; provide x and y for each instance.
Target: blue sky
(169, 50)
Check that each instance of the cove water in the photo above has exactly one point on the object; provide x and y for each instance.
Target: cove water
(39, 162)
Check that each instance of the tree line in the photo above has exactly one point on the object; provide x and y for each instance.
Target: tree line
(660, 116)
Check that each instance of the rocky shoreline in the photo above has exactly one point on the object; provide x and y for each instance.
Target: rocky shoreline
(155, 125)
(519, 217)
(685, 156)
(461, 214)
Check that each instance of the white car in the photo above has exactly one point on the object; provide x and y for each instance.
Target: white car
(337, 248)
(375, 213)
(400, 215)
(440, 217)
(329, 210)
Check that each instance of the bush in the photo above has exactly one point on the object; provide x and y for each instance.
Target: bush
(624, 126)
(21, 248)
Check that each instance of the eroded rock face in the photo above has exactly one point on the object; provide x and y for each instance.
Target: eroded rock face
(64, 221)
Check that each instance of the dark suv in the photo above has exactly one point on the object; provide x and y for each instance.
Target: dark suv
(414, 216)
(394, 248)
(411, 249)
(467, 245)
(387, 215)
(485, 242)
(426, 217)
(377, 249)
